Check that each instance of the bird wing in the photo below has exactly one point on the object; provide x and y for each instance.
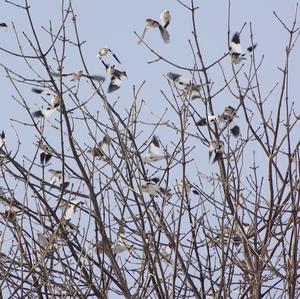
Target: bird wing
(114, 84)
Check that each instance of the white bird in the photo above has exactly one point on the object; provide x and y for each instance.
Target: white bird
(44, 113)
(119, 246)
(57, 177)
(189, 88)
(165, 18)
(42, 240)
(104, 51)
(216, 147)
(69, 207)
(116, 77)
(154, 153)
(166, 254)
(152, 187)
(185, 186)
(236, 52)
(100, 152)
(150, 23)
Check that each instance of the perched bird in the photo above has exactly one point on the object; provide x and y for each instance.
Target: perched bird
(104, 51)
(100, 152)
(43, 240)
(76, 76)
(185, 186)
(57, 177)
(150, 23)
(154, 154)
(3, 25)
(166, 253)
(46, 152)
(165, 18)
(189, 88)
(235, 49)
(116, 77)
(152, 187)
(119, 246)
(69, 207)
(216, 147)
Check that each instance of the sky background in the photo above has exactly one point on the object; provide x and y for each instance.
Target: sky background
(112, 23)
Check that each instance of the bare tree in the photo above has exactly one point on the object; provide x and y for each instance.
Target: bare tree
(103, 205)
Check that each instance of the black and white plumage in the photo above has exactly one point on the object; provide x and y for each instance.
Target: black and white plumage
(3, 25)
(185, 186)
(203, 120)
(228, 117)
(46, 153)
(189, 88)
(57, 177)
(48, 111)
(216, 147)
(165, 18)
(154, 153)
(150, 23)
(236, 53)
(76, 76)
(116, 77)
(100, 152)
(44, 113)
(152, 187)
(69, 207)
(105, 51)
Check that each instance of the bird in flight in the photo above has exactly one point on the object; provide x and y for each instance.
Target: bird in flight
(154, 153)
(57, 177)
(189, 88)
(49, 110)
(3, 25)
(105, 51)
(150, 23)
(236, 53)
(165, 18)
(151, 186)
(46, 152)
(227, 117)
(69, 207)
(116, 77)
(76, 76)
(216, 147)
(185, 186)
(100, 152)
